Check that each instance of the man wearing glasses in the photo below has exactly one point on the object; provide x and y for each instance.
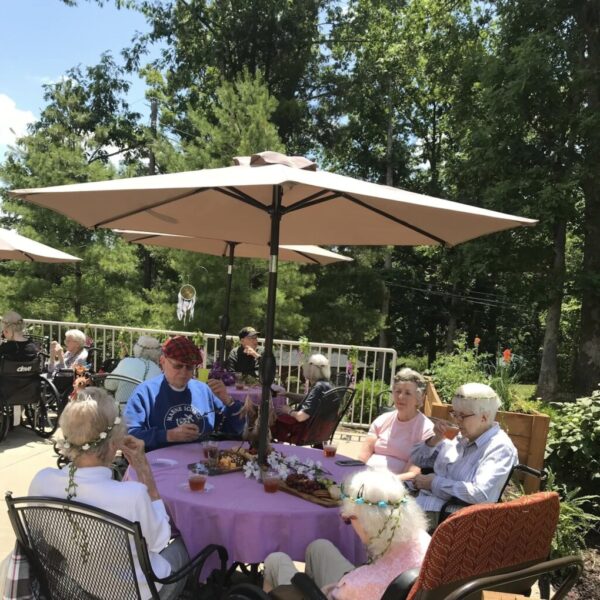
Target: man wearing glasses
(174, 407)
(470, 460)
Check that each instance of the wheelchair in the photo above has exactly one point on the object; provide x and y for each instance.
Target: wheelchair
(22, 383)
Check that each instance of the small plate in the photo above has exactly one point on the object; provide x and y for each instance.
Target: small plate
(207, 487)
(163, 462)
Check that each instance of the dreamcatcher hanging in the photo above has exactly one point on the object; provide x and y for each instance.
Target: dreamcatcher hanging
(186, 300)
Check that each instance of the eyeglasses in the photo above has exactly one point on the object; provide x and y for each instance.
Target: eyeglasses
(179, 366)
(347, 520)
(459, 416)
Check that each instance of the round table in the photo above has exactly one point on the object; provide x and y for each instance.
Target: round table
(238, 514)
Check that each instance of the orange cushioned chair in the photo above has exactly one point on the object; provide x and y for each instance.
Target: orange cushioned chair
(480, 541)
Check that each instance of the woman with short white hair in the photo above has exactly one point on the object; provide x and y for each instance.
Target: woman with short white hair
(92, 432)
(16, 346)
(393, 434)
(386, 519)
(471, 465)
(141, 366)
(75, 353)
(292, 421)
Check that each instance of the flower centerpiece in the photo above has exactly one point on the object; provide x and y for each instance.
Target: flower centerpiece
(218, 371)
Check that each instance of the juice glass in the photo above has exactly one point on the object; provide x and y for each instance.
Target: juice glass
(271, 481)
(451, 432)
(197, 477)
(329, 449)
(210, 448)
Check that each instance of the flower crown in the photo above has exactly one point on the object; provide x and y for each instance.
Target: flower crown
(66, 445)
(361, 500)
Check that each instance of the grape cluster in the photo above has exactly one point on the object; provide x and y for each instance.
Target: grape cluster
(302, 483)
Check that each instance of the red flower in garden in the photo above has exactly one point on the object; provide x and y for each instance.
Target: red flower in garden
(507, 355)
(477, 341)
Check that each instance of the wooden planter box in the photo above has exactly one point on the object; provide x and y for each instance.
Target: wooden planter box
(528, 433)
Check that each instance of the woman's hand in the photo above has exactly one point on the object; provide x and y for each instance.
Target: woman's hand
(133, 450)
(55, 349)
(423, 482)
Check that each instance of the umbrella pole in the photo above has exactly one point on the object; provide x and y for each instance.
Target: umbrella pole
(224, 321)
(267, 367)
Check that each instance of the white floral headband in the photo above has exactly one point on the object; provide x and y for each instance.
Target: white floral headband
(66, 445)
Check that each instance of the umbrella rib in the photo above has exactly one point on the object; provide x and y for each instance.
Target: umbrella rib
(233, 192)
(312, 201)
(308, 257)
(150, 207)
(382, 213)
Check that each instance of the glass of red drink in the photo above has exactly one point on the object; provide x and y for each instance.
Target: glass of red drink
(210, 450)
(197, 477)
(329, 449)
(451, 432)
(271, 481)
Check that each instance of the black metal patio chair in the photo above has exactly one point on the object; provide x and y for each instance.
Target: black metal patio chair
(77, 551)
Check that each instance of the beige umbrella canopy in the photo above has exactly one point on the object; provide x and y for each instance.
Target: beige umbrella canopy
(272, 199)
(14, 246)
(306, 254)
(301, 254)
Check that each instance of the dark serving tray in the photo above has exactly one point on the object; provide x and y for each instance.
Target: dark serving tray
(215, 470)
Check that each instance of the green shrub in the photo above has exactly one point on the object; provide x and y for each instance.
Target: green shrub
(412, 361)
(573, 448)
(449, 371)
(368, 412)
(574, 522)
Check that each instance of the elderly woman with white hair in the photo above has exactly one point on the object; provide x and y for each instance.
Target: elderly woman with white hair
(92, 432)
(386, 519)
(16, 346)
(474, 465)
(393, 434)
(141, 366)
(75, 353)
(292, 421)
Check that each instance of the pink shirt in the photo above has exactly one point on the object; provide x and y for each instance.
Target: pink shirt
(370, 582)
(395, 440)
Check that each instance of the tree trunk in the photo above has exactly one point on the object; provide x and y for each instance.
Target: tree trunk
(587, 368)
(77, 301)
(547, 385)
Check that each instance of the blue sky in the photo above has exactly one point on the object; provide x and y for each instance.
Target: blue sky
(41, 39)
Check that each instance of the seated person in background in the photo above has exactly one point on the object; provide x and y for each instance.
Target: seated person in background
(93, 432)
(17, 347)
(245, 359)
(76, 353)
(393, 434)
(141, 366)
(292, 421)
(386, 519)
(174, 407)
(474, 465)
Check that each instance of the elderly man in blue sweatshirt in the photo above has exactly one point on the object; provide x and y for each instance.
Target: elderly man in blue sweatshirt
(174, 407)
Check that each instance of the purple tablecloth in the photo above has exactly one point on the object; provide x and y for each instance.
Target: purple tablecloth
(255, 394)
(239, 515)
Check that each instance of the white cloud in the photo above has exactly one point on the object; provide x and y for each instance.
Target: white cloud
(13, 120)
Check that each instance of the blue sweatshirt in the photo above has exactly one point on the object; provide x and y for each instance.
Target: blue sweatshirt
(155, 407)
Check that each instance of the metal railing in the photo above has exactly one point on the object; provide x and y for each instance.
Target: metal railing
(373, 371)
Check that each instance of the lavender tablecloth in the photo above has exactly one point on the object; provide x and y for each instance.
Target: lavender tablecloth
(239, 515)
(255, 394)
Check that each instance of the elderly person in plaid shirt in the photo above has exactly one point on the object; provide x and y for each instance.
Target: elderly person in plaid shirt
(475, 464)
(174, 407)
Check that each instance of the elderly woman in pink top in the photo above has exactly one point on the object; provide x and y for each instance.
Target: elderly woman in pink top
(386, 519)
(393, 434)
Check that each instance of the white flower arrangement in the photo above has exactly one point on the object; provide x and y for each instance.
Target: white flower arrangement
(284, 466)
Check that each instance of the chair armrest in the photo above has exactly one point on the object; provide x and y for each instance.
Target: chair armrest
(445, 512)
(308, 587)
(401, 586)
(573, 563)
(195, 565)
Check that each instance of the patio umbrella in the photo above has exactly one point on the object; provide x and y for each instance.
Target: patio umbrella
(301, 253)
(272, 199)
(14, 246)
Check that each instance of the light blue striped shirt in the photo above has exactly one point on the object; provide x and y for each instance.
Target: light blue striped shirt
(471, 471)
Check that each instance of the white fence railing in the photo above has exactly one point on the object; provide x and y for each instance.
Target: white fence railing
(374, 369)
